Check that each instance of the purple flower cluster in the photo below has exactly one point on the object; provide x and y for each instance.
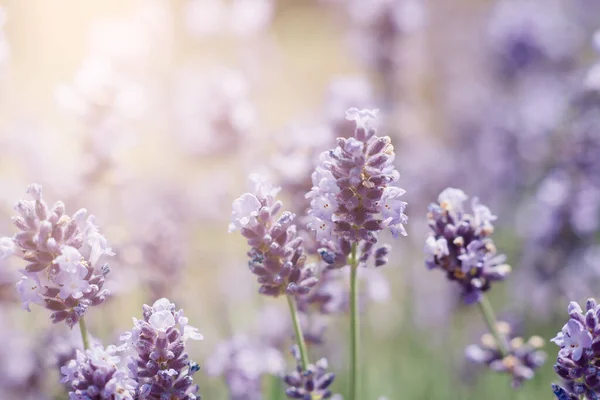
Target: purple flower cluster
(352, 197)
(63, 253)
(276, 254)
(520, 361)
(310, 383)
(161, 365)
(460, 244)
(98, 374)
(578, 361)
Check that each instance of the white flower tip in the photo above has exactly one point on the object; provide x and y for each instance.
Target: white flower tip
(189, 332)
(161, 304)
(162, 320)
(361, 117)
(34, 190)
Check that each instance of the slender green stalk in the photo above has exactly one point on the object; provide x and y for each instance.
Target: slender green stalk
(354, 325)
(298, 332)
(84, 333)
(490, 319)
(275, 387)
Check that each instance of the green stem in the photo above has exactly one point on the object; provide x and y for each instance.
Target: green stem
(84, 333)
(354, 324)
(275, 388)
(490, 319)
(298, 332)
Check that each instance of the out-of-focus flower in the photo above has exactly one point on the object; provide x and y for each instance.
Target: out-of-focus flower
(565, 208)
(276, 254)
(63, 272)
(311, 383)
(526, 37)
(22, 367)
(579, 350)
(161, 364)
(239, 17)
(212, 112)
(460, 244)
(242, 363)
(521, 361)
(379, 27)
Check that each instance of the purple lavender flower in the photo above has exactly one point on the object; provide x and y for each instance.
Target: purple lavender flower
(460, 244)
(98, 374)
(64, 273)
(352, 198)
(161, 364)
(243, 362)
(577, 362)
(521, 360)
(312, 383)
(276, 254)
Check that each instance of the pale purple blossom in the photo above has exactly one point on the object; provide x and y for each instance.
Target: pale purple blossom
(63, 252)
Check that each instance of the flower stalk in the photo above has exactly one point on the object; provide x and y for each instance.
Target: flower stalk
(84, 333)
(490, 319)
(298, 332)
(354, 324)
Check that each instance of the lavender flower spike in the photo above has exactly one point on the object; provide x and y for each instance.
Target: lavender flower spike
(578, 358)
(460, 244)
(276, 254)
(352, 197)
(521, 360)
(311, 383)
(64, 272)
(161, 364)
(98, 374)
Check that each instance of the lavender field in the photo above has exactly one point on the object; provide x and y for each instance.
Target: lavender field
(289, 199)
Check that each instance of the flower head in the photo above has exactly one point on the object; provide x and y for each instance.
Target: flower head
(311, 383)
(161, 363)
(579, 342)
(276, 252)
(520, 361)
(353, 197)
(62, 252)
(460, 244)
(98, 374)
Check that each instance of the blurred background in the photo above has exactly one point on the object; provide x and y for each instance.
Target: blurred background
(151, 114)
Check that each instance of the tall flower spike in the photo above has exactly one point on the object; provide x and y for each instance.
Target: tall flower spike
(64, 273)
(161, 364)
(522, 360)
(352, 198)
(310, 383)
(578, 358)
(276, 254)
(460, 244)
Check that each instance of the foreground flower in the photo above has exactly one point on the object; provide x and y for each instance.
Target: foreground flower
(64, 273)
(276, 254)
(98, 374)
(313, 382)
(352, 198)
(460, 244)
(161, 364)
(521, 360)
(578, 360)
